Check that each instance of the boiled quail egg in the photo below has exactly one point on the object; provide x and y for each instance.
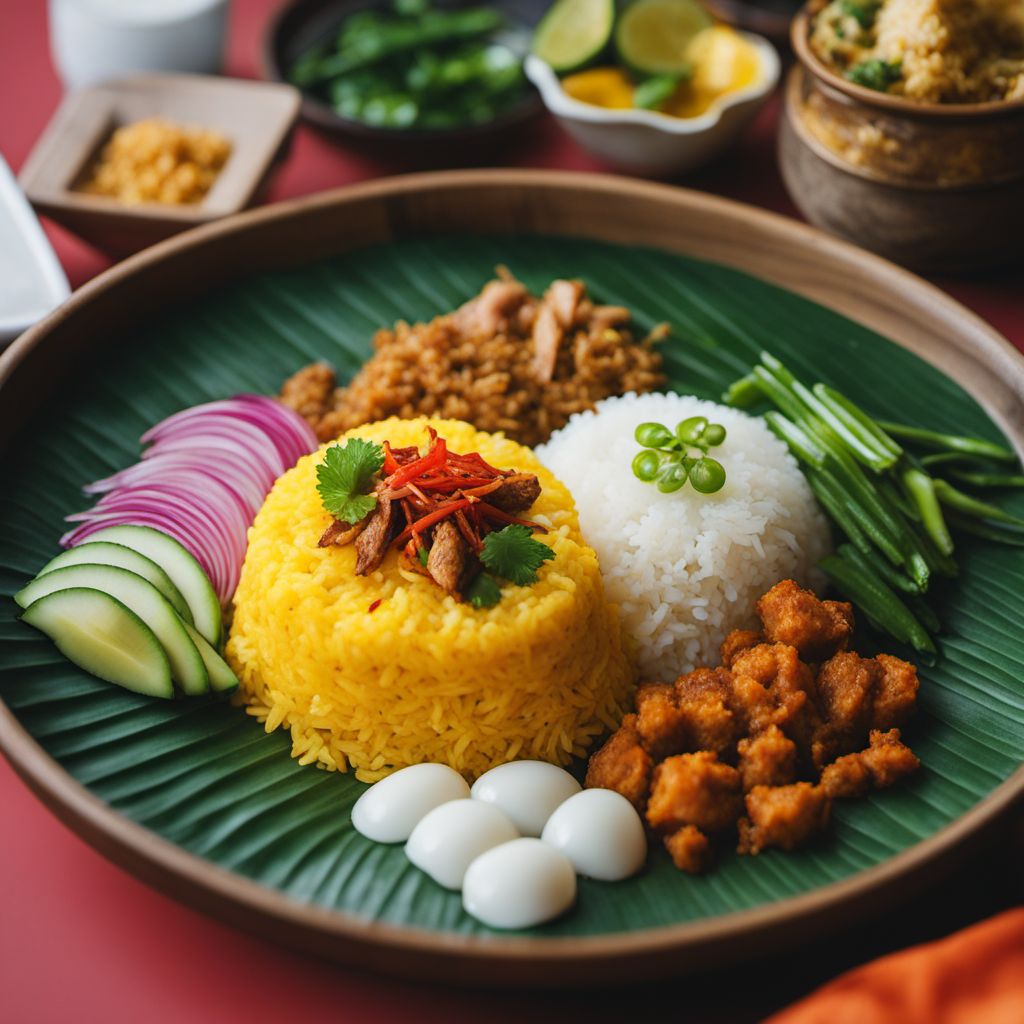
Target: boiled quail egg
(390, 809)
(519, 884)
(527, 791)
(450, 837)
(601, 834)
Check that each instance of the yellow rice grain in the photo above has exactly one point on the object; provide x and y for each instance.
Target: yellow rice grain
(423, 677)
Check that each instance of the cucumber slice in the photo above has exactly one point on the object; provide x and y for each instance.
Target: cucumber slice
(573, 33)
(653, 36)
(105, 553)
(101, 635)
(141, 597)
(178, 563)
(219, 671)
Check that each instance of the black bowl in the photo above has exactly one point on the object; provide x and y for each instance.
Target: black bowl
(302, 24)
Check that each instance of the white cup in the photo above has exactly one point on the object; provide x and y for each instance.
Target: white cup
(93, 40)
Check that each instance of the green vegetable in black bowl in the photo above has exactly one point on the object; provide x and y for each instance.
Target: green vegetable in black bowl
(416, 67)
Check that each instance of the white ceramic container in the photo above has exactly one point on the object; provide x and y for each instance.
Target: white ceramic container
(94, 40)
(32, 282)
(647, 142)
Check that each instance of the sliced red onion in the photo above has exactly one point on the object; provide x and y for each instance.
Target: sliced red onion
(202, 480)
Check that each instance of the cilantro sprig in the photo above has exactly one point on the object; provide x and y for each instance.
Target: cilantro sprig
(513, 554)
(484, 591)
(346, 475)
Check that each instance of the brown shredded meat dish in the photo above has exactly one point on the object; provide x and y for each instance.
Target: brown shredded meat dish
(506, 360)
(760, 747)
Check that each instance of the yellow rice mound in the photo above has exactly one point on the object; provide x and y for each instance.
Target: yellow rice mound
(423, 677)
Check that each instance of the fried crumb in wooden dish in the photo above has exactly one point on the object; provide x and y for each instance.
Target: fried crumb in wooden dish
(158, 161)
(759, 748)
(505, 361)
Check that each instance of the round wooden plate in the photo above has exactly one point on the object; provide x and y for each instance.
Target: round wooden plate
(864, 288)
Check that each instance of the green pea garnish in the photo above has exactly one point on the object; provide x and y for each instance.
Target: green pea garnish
(653, 435)
(666, 461)
(646, 466)
(707, 475)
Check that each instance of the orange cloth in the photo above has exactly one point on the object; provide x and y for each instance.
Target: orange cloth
(973, 977)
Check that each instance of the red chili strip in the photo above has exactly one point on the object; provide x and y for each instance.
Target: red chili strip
(452, 483)
(468, 533)
(474, 461)
(434, 459)
(375, 605)
(503, 517)
(425, 522)
(479, 491)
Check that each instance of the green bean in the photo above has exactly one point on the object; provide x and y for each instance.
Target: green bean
(949, 442)
(816, 409)
(934, 459)
(837, 512)
(888, 572)
(824, 480)
(804, 408)
(780, 395)
(988, 479)
(925, 614)
(949, 495)
(804, 447)
(869, 592)
(891, 493)
(885, 449)
(924, 491)
(860, 487)
(935, 560)
(987, 530)
(389, 37)
(743, 393)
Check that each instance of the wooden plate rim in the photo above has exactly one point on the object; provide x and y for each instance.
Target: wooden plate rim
(417, 952)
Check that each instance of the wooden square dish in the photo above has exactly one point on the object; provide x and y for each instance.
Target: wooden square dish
(255, 117)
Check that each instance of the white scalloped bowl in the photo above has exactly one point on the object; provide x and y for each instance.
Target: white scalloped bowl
(646, 142)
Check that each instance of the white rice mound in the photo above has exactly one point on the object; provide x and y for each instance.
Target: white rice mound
(687, 568)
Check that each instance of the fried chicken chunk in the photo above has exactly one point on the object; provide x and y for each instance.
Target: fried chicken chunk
(896, 694)
(623, 765)
(691, 715)
(846, 687)
(663, 727)
(689, 849)
(846, 777)
(883, 763)
(737, 642)
(783, 816)
(888, 759)
(794, 616)
(767, 760)
(694, 789)
(772, 686)
(703, 698)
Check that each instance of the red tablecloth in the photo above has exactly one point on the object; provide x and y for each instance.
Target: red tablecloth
(81, 941)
